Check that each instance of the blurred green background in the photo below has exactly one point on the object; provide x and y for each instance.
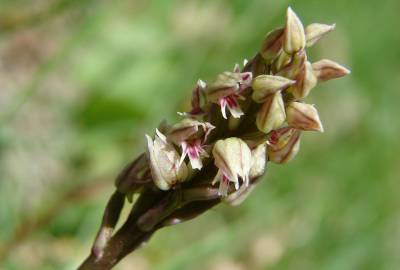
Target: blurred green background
(82, 81)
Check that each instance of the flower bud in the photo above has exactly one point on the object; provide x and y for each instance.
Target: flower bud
(303, 117)
(272, 45)
(326, 70)
(232, 156)
(272, 113)
(266, 85)
(164, 162)
(294, 37)
(305, 81)
(314, 32)
(284, 145)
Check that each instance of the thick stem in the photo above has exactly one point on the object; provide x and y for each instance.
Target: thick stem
(126, 240)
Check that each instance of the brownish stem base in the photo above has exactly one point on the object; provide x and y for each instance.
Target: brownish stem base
(117, 248)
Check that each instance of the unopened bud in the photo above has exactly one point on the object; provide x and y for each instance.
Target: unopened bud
(294, 38)
(164, 162)
(272, 113)
(326, 70)
(314, 32)
(303, 117)
(272, 45)
(266, 85)
(284, 145)
(305, 81)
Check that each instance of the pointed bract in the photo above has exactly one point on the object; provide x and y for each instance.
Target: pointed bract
(314, 32)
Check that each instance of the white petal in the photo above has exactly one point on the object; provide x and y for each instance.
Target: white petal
(196, 163)
(236, 111)
(223, 110)
(161, 136)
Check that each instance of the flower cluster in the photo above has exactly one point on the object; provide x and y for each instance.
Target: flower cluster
(238, 123)
(271, 87)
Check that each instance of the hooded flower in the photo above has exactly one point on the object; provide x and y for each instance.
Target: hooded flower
(233, 158)
(164, 162)
(191, 135)
(227, 89)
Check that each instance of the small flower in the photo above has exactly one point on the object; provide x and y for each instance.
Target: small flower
(232, 156)
(326, 70)
(304, 117)
(314, 32)
(191, 135)
(283, 145)
(266, 85)
(272, 113)
(227, 90)
(294, 39)
(164, 162)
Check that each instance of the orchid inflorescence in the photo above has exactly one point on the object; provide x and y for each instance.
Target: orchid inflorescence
(237, 124)
(275, 83)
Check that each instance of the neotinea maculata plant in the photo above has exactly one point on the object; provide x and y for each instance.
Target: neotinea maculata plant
(238, 123)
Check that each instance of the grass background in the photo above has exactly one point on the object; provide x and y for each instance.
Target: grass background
(82, 81)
